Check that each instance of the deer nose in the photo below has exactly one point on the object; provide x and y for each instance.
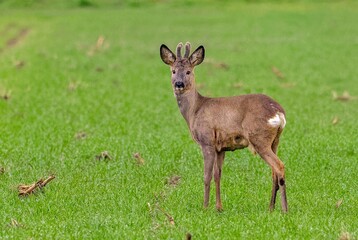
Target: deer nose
(179, 85)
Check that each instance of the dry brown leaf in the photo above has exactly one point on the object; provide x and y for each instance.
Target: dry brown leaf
(222, 65)
(277, 72)
(73, 86)
(100, 44)
(173, 180)
(2, 170)
(103, 156)
(345, 236)
(6, 95)
(19, 64)
(25, 190)
(138, 157)
(335, 120)
(15, 40)
(15, 223)
(80, 135)
(339, 203)
(344, 97)
(99, 69)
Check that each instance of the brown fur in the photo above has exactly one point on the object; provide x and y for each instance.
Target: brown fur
(226, 123)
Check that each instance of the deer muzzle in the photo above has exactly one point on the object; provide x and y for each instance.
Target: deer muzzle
(179, 85)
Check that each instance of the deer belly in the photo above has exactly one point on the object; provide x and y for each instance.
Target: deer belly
(230, 142)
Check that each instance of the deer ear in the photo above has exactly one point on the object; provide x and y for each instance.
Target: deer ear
(197, 56)
(167, 56)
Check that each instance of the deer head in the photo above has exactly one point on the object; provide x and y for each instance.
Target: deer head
(182, 68)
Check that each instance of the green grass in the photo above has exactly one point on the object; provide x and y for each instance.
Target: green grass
(120, 96)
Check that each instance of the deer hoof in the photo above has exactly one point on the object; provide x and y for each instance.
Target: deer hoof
(219, 208)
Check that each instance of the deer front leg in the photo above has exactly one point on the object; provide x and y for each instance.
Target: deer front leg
(217, 176)
(209, 154)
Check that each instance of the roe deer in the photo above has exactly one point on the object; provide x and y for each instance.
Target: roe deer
(226, 123)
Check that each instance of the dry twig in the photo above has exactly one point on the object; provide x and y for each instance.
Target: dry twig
(47, 180)
(169, 217)
(288, 85)
(25, 190)
(344, 97)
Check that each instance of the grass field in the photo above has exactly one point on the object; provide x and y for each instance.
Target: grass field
(75, 82)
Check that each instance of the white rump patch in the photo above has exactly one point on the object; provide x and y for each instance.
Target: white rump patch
(278, 120)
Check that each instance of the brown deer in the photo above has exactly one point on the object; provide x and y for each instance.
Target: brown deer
(226, 123)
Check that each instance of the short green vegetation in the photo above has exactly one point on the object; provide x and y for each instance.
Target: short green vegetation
(85, 96)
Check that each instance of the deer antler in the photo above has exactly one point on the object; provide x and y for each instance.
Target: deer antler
(187, 50)
(180, 45)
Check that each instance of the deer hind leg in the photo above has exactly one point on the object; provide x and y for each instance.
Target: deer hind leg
(210, 156)
(217, 176)
(275, 185)
(275, 188)
(278, 175)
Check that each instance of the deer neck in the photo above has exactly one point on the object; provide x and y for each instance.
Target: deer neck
(188, 103)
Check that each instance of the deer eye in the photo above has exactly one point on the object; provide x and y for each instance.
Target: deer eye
(187, 72)
(173, 71)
